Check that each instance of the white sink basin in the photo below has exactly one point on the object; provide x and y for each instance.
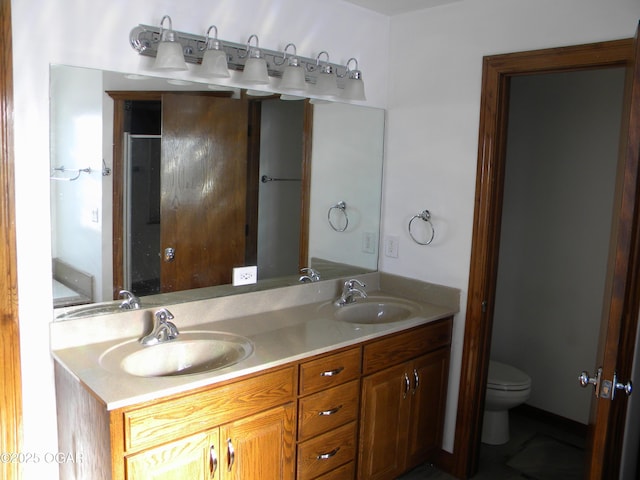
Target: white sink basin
(192, 352)
(370, 312)
(374, 310)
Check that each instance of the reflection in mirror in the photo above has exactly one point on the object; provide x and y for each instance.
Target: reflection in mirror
(163, 189)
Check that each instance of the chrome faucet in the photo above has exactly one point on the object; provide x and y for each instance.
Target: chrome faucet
(130, 302)
(311, 276)
(163, 329)
(350, 290)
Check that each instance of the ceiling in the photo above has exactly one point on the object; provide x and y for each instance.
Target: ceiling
(394, 7)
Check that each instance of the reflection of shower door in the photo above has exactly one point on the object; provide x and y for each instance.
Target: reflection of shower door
(141, 203)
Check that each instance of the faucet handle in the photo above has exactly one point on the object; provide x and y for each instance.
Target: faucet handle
(313, 274)
(353, 282)
(163, 315)
(130, 300)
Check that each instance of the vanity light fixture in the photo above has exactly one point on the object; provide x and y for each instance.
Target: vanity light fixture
(293, 76)
(170, 56)
(353, 86)
(299, 76)
(214, 59)
(255, 68)
(326, 82)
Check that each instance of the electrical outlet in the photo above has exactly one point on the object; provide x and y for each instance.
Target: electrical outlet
(245, 275)
(369, 242)
(391, 246)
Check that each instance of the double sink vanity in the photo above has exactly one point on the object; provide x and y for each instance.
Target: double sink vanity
(278, 384)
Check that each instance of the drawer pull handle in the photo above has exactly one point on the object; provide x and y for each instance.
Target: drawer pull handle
(416, 381)
(331, 373)
(326, 456)
(407, 386)
(232, 454)
(326, 413)
(213, 457)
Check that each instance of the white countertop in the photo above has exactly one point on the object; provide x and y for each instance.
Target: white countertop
(278, 336)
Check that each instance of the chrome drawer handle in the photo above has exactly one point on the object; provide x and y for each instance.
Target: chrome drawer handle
(232, 454)
(331, 373)
(416, 381)
(407, 386)
(325, 456)
(214, 461)
(330, 411)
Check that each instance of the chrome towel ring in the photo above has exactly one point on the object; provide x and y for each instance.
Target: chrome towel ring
(426, 216)
(341, 206)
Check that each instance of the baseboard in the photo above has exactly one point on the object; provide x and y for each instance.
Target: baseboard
(552, 418)
(443, 460)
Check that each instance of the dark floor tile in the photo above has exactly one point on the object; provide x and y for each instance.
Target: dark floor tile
(536, 450)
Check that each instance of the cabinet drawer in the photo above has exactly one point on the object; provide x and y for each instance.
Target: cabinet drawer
(328, 409)
(405, 346)
(329, 371)
(345, 472)
(182, 416)
(326, 452)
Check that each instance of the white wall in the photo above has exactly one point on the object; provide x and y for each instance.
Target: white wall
(95, 34)
(562, 157)
(434, 106)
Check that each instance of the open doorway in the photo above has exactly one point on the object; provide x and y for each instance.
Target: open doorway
(619, 295)
(560, 173)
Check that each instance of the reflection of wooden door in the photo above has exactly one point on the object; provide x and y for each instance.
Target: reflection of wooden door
(203, 192)
(622, 296)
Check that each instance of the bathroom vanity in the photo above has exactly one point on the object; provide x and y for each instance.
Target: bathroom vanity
(319, 397)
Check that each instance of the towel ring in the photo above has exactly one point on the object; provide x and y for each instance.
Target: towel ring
(426, 216)
(342, 207)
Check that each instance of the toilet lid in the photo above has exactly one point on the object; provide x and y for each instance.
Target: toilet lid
(506, 377)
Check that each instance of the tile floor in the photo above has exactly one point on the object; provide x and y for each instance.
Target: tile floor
(536, 450)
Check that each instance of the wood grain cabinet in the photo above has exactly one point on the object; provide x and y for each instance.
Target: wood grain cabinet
(403, 401)
(327, 415)
(370, 411)
(241, 429)
(232, 441)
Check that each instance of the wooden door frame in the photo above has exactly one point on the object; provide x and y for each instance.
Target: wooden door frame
(497, 71)
(10, 375)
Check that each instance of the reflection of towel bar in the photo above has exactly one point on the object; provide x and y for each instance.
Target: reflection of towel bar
(267, 178)
(77, 172)
(341, 206)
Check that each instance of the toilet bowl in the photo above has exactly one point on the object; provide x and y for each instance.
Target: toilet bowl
(507, 387)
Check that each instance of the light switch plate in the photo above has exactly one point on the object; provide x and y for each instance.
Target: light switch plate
(391, 246)
(245, 275)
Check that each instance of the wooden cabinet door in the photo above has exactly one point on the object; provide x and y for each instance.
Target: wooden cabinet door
(261, 446)
(192, 457)
(385, 409)
(429, 375)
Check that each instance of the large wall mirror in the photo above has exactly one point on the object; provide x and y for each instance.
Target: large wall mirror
(163, 187)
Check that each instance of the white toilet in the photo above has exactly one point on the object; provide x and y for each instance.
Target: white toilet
(507, 387)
